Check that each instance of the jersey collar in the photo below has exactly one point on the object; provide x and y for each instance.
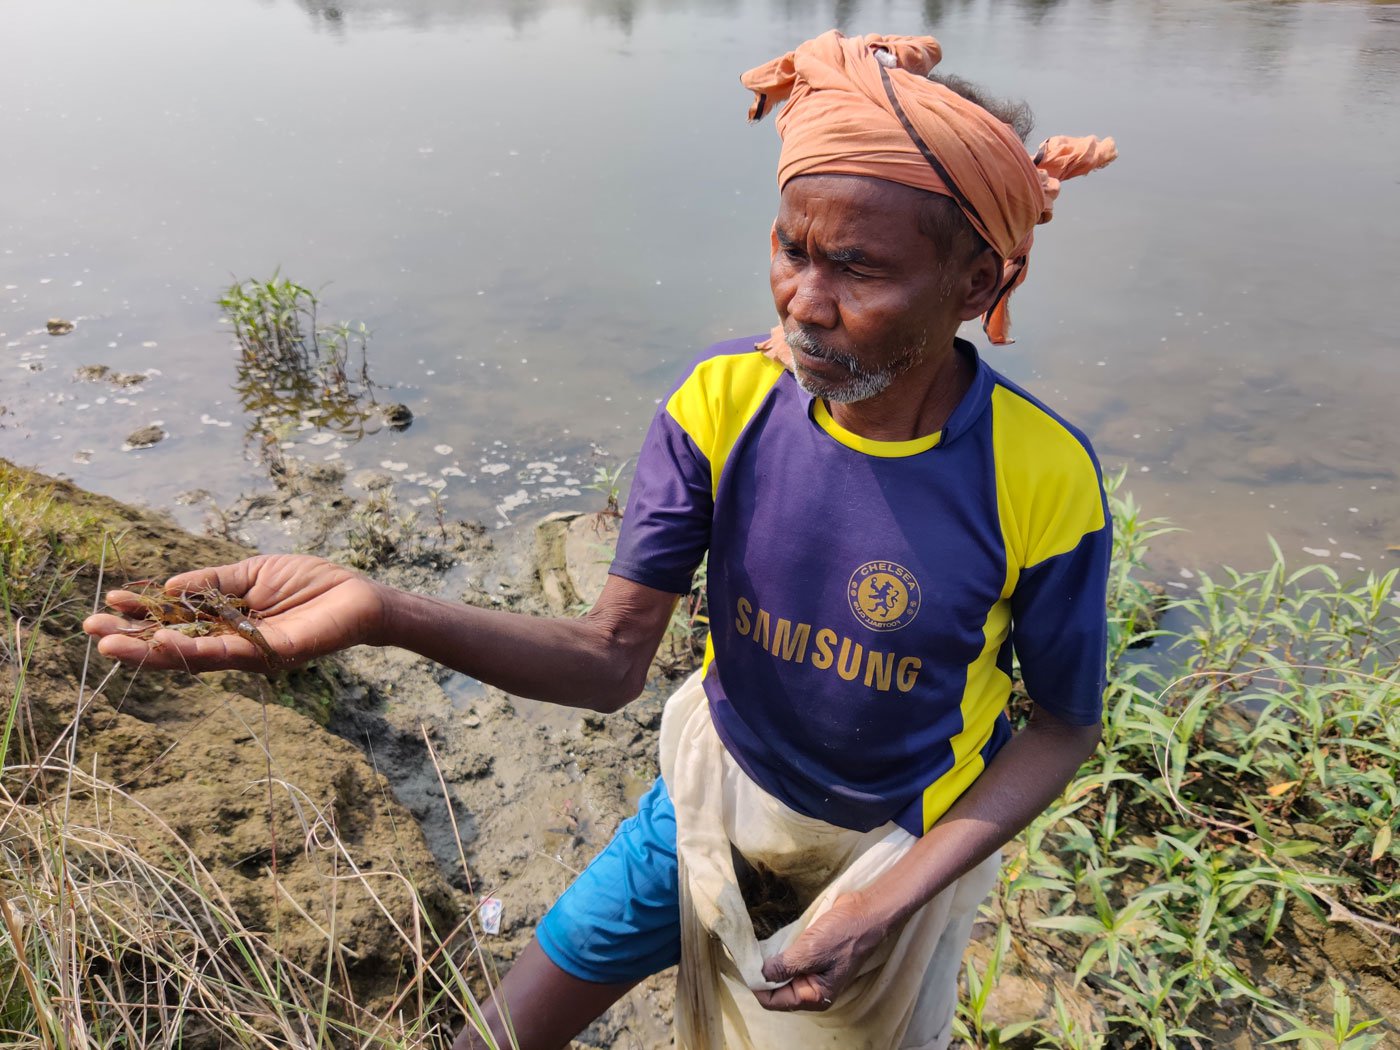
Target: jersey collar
(969, 409)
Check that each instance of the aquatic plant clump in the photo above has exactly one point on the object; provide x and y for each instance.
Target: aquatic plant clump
(292, 368)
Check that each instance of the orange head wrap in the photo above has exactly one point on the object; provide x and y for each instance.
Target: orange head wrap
(865, 106)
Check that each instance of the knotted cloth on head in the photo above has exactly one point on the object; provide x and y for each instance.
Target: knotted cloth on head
(865, 106)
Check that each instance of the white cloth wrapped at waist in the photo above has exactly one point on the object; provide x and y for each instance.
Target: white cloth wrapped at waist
(905, 993)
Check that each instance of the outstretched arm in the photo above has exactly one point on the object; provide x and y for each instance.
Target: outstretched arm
(1028, 773)
(307, 607)
(599, 660)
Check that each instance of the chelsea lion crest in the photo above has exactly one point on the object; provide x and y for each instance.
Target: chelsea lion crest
(883, 595)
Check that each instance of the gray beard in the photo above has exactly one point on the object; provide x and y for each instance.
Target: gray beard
(861, 385)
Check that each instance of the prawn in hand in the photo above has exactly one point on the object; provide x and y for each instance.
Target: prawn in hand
(272, 611)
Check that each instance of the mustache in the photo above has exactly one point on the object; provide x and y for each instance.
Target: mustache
(801, 339)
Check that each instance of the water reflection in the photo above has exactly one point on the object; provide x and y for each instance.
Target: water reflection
(328, 12)
(1265, 26)
(1268, 35)
(1037, 10)
(1378, 53)
(846, 15)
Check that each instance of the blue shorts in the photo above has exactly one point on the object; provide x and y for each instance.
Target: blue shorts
(620, 920)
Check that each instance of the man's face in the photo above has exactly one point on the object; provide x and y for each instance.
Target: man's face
(860, 290)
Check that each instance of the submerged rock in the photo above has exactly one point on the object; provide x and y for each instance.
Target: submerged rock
(99, 373)
(143, 437)
(1273, 462)
(372, 480)
(396, 416)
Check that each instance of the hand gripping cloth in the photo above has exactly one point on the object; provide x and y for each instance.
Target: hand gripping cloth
(905, 994)
(865, 106)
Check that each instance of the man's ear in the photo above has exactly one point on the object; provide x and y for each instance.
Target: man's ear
(979, 284)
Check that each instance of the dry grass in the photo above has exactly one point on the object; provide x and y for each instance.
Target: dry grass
(114, 933)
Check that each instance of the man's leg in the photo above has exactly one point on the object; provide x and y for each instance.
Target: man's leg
(618, 923)
(546, 1005)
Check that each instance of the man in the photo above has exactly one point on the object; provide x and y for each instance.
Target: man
(886, 519)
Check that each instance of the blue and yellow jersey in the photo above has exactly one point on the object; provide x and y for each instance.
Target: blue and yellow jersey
(866, 596)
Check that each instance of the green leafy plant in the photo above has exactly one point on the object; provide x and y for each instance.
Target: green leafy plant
(42, 541)
(971, 1023)
(292, 369)
(683, 648)
(1343, 1035)
(1245, 788)
(607, 480)
(380, 534)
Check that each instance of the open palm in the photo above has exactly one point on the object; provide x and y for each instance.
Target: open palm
(303, 607)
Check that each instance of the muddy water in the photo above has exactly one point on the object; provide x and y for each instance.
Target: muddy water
(542, 207)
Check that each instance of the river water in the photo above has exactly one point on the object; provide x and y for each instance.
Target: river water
(542, 208)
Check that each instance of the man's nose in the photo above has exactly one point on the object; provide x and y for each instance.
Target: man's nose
(812, 302)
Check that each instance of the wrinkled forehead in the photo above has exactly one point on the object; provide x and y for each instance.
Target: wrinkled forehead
(857, 207)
